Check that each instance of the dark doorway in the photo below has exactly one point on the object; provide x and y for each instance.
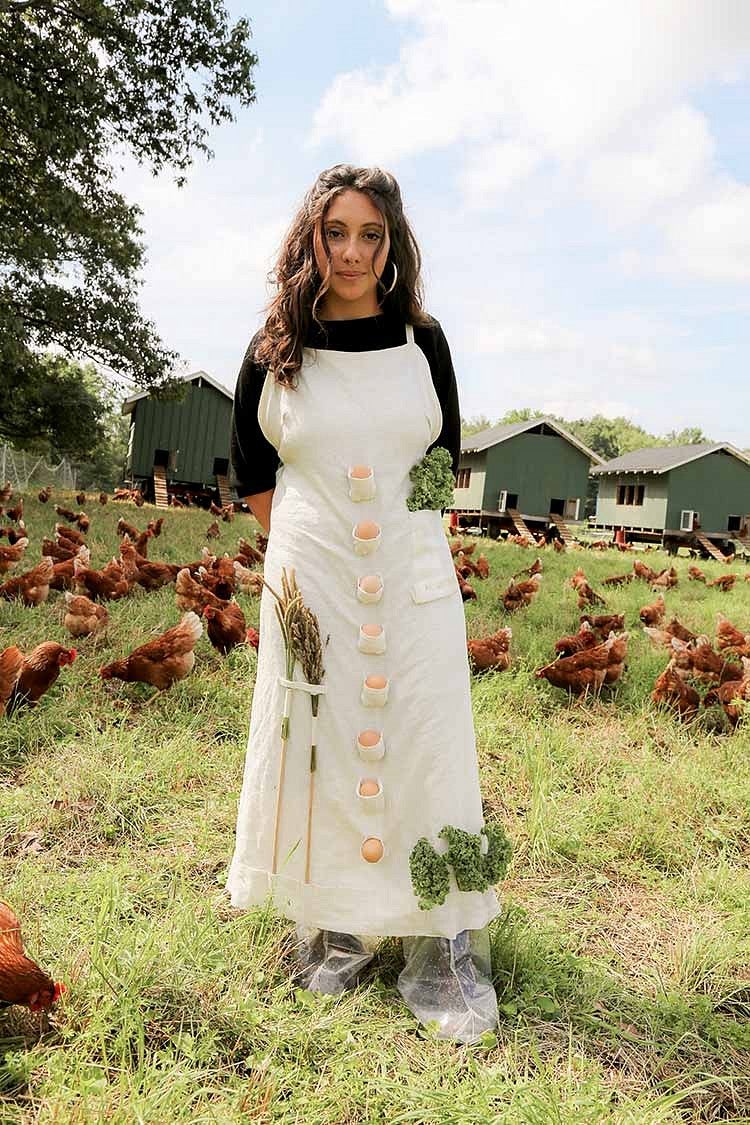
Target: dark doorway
(512, 500)
(557, 506)
(161, 457)
(734, 523)
(221, 466)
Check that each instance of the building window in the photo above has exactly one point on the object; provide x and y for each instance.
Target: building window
(463, 477)
(630, 494)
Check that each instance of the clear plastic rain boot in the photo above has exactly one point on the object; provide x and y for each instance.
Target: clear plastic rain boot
(448, 980)
(329, 961)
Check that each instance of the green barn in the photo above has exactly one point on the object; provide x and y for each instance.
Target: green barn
(181, 445)
(689, 495)
(523, 477)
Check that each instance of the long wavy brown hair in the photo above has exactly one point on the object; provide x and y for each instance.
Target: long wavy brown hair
(300, 286)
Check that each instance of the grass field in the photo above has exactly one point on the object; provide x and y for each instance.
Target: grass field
(622, 957)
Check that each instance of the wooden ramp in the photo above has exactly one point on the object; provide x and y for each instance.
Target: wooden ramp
(161, 495)
(562, 527)
(521, 526)
(223, 485)
(707, 545)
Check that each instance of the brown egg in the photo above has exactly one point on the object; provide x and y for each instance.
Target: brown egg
(375, 681)
(367, 529)
(361, 471)
(369, 737)
(370, 583)
(369, 787)
(372, 849)
(373, 630)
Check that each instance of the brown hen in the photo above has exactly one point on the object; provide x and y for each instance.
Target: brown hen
(21, 979)
(670, 690)
(492, 651)
(9, 556)
(39, 671)
(160, 662)
(32, 587)
(226, 627)
(11, 660)
(84, 617)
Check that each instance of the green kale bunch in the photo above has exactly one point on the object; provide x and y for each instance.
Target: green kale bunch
(499, 853)
(430, 871)
(432, 481)
(430, 874)
(465, 857)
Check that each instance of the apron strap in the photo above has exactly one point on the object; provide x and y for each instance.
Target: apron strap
(410, 334)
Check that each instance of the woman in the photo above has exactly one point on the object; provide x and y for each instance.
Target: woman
(346, 387)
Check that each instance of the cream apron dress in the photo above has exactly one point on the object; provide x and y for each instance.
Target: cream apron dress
(379, 409)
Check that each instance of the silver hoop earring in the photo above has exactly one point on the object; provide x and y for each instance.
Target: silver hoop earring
(395, 279)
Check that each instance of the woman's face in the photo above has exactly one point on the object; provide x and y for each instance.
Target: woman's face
(358, 242)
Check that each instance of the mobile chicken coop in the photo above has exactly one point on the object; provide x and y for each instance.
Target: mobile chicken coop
(523, 477)
(180, 446)
(680, 495)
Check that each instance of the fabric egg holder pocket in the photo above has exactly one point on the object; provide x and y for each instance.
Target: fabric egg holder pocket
(370, 597)
(371, 753)
(374, 697)
(373, 645)
(374, 802)
(361, 488)
(365, 546)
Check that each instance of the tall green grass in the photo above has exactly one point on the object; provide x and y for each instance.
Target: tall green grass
(621, 958)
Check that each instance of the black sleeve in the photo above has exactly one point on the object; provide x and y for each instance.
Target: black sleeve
(444, 380)
(254, 459)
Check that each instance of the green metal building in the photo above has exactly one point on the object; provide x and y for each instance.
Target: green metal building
(181, 445)
(680, 494)
(523, 476)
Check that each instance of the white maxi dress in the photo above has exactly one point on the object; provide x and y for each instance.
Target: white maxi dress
(380, 409)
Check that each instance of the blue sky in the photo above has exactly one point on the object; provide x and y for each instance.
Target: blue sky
(577, 176)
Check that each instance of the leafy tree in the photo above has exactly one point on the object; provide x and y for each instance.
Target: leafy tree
(78, 80)
(691, 435)
(611, 437)
(58, 408)
(525, 414)
(475, 425)
(103, 468)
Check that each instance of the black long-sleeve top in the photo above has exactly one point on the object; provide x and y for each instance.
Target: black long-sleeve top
(255, 461)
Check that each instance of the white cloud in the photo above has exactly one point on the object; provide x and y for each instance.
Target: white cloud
(711, 239)
(593, 93)
(210, 246)
(611, 347)
(494, 170)
(669, 158)
(575, 405)
(565, 81)
(500, 332)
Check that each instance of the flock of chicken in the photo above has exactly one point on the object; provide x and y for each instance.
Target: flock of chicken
(204, 591)
(594, 656)
(584, 662)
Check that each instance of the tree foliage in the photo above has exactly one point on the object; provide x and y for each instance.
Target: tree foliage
(609, 437)
(58, 408)
(80, 80)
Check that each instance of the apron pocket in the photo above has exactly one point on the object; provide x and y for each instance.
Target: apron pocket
(433, 573)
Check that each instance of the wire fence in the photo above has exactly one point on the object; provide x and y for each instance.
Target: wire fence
(26, 470)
